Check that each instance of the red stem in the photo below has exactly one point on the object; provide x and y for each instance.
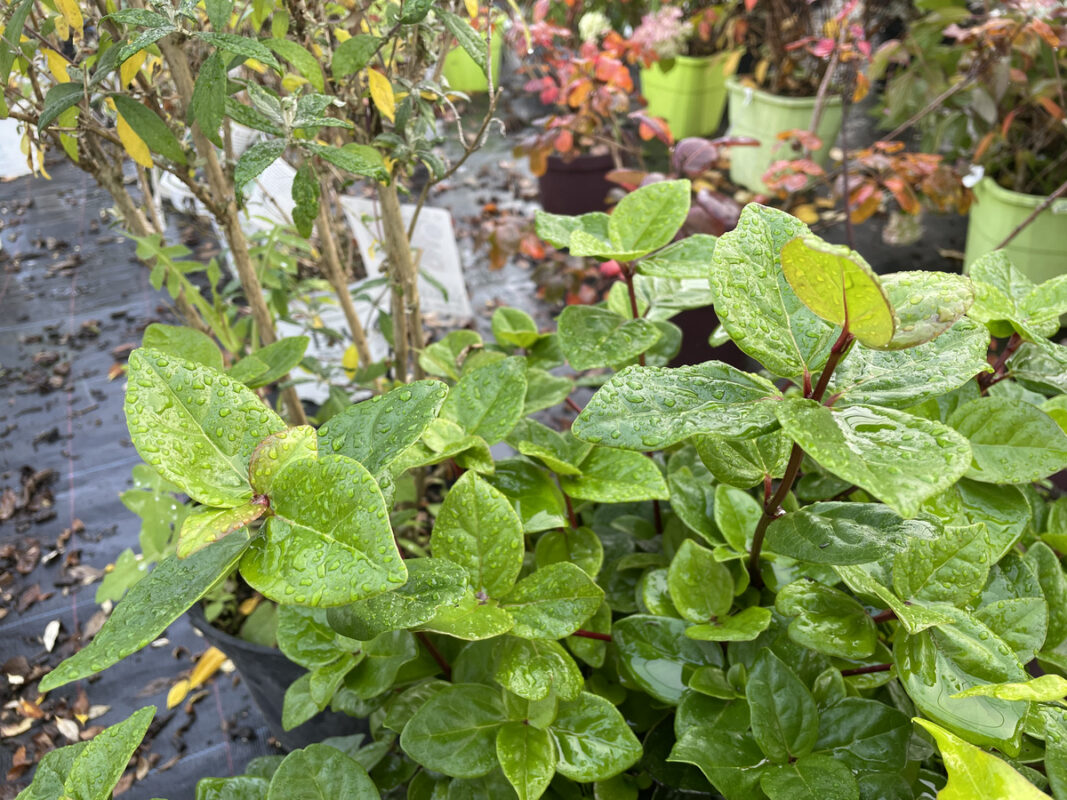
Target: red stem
(866, 670)
(600, 637)
(440, 659)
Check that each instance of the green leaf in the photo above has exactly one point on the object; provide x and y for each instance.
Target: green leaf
(242, 46)
(533, 494)
(687, 258)
(9, 44)
(534, 669)
(305, 194)
(1046, 565)
(201, 529)
(59, 98)
(908, 378)
(443, 440)
(471, 619)
(514, 326)
(693, 494)
(1047, 688)
(814, 777)
(972, 772)
(938, 662)
(785, 720)
(845, 533)
(242, 787)
(839, 286)
(593, 740)
(1005, 296)
(744, 463)
(744, 626)
(306, 638)
(552, 602)
(656, 655)
(731, 760)
(320, 772)
(560, 452)
(647, 219)
(279, 357)
(578, 546)
(616, 476)
(899, 458)
(927, 304)
(256, 159)
(306, 64)
(592, 337)
(182, 342)
(701, 588)
(544, 390)
(556, 229)
(949, 569)
(866, 735)
(827, 620)
(153, 130)
(478, 529)
(277, 452)
(151, 605)
(96, 765)
(736, 514)
(376, 431)
(643, 408)
(754, 301)
(528, 757)
(208, 105)
(1012, 442)
(353, 54)
(197, 427)
(329, 541)
(1004, 510)
(432, 583)
(454, 732)
(384, 656)
(871, 580)
(440, 357)
(469, 39)
(488, 401)
(359, 159)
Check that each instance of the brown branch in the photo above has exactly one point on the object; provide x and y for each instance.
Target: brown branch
(1048, 201)
(440, 659)
(866, 670)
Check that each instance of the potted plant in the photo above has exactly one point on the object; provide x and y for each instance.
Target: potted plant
(991, 92)
(835, 580)
(793, 84)
(591, 90)
(687, 52)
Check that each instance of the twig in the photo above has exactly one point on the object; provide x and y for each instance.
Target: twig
(884, 616)
(440, 659)
(866, 670)
(1048, 201)
(600, 637)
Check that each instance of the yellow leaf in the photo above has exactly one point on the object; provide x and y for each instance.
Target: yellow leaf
(729, 65)
(341, 35)
(71, 13)
(381, 92)
(131, 66)
(207, 666)
(249, 605)
(292, 82)
(177, 693)
(760, 73)
(258, 66)
(62, 29)
(806, 214)
(350, 361)
(472, 7)
(134, 144)
(56, 65)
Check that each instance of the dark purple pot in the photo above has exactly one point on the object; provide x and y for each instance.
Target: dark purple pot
(577, 186)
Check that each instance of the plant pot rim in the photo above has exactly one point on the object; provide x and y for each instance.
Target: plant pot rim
(1008, 196)
(698, 61)
(585, 162)
(198, 618)
(733, 84)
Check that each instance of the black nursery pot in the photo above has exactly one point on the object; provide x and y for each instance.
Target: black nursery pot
(577, 186)
(267, 673)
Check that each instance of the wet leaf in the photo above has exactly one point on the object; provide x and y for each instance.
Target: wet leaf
(592, 337)
(1012, 442)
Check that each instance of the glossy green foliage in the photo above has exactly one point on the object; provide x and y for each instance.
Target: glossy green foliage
(709, 582)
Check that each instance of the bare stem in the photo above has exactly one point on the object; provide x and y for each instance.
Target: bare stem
(1048, 201)
(600, 637)
(867, 670)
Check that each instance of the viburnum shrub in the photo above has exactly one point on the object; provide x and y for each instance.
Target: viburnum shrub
(834, 576)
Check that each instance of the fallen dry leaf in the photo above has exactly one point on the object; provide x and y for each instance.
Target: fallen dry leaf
(69, 728)
(51, 631)
(23, 725)
(30, 710)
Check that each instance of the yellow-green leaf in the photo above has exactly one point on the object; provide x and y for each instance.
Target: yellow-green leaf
(1040, 690)
(381, 92)
(972, 772)
(134, 144)
(71, 13)
(839, 286)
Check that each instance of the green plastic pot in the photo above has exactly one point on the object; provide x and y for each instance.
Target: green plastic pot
(689, 92)
(464, 75)
(1038, 251)
(762, 115)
